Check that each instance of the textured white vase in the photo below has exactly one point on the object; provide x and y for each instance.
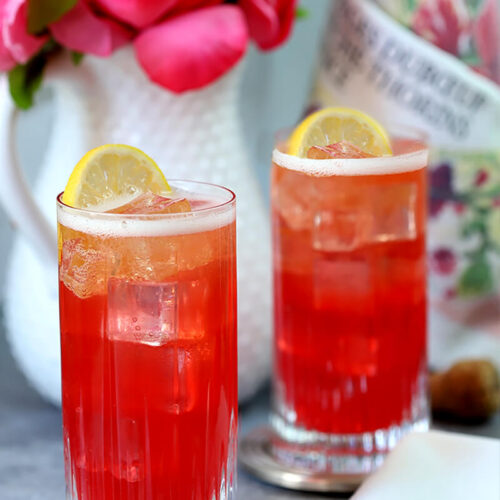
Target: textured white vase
(196, 135)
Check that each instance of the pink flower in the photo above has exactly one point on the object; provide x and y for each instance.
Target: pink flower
(143, 13)
(16, 45)
(82, 30)
(487, 38)
(442, 22)
(481, 177)
(192, 50)
(137, 13)
(186, 5)
(443, 261)
(460, 207)
(269, 21)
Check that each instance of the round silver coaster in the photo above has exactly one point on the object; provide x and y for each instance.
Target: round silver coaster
(255, 455)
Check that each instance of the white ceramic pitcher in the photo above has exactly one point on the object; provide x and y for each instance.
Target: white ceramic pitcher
(195, 135)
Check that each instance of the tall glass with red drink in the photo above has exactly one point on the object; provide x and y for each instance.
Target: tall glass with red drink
(349, 306)
(148, 340)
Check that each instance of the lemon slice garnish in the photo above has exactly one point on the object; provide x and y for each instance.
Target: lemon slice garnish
(331, 125)
(112, 172)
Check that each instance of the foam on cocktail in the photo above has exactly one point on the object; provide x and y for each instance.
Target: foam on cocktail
(383, 165)
(151, 203)
(206, 215)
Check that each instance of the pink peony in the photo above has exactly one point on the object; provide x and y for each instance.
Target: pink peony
(487, 38)
(192, 50)
(16, 45)
(137, 13)
(269, 21)
(82, 30)
(186, 5)
(143, 13)
(442, 22)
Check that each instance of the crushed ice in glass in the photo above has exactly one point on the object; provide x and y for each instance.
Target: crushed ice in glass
(342, 149)
(342, 220)
(151, 203)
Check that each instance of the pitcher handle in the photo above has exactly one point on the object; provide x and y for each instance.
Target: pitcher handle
(15, 194)
(71, 137)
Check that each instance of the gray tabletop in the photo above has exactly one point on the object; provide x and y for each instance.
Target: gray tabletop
(31, 460)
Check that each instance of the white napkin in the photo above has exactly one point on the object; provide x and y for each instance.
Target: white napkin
(437, 466)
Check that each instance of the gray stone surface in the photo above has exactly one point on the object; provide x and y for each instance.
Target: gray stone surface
(31, 460)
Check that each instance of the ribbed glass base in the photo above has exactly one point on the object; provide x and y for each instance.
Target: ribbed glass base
(337, 453)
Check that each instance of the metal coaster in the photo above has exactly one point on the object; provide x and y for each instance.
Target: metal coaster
(256, 456)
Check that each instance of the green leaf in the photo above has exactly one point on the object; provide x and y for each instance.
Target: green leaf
(25, 80)
(474, 6)
(301, 13)
(476, 279)
(41, 13)
(411, 5)
(76, 57)
(472, 59)
(474, 226)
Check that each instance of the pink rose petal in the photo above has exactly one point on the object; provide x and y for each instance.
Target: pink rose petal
(14, 33)
(443, 23)
(138, 13)
(187, 5)
(82, 30)
(194, 49)
(487, 38)
(7, 62)
(269, 21)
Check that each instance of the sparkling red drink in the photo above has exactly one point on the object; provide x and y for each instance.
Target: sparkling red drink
(349, 306)
(148, 339)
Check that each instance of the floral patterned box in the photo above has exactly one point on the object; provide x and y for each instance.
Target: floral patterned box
(464, 253)
(468, 29)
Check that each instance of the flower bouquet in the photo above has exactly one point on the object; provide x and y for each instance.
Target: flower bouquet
(180, 44)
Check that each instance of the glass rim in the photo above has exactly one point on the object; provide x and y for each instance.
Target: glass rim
(380, 165)
(393, 129)
(218, 207)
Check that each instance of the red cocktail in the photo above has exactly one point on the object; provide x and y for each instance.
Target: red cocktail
(148, 339)
(349, 304)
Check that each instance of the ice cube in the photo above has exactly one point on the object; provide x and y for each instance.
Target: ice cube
(150, 203)
(142, 312)
(128, 460)
(340, 230)
(182, 371)
(376, 214)
(341, 149)
(147, 314)
(333, 275)
(393, 213)
(83, 268)
(293, 199)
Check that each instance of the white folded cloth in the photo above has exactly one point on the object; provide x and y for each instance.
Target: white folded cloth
(437, 466)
